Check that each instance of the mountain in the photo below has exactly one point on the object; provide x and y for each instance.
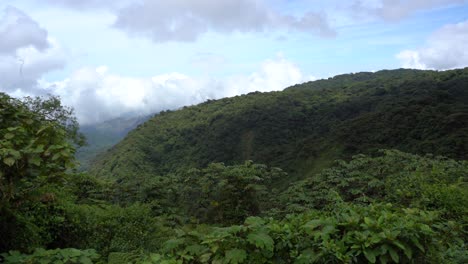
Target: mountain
(304, 128)
(156, 196)
(102, 136)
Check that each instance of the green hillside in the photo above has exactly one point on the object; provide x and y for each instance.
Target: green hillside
(102, 136)
(304, 128)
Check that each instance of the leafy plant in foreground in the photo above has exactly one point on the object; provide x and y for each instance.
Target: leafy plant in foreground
(351, 234)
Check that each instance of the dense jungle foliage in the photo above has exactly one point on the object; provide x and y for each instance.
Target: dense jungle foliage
(360, 168)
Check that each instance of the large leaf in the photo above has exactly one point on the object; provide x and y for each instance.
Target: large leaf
(370, 255)
(9, 136)
(9, 161)
(235, 256)
(261, 240)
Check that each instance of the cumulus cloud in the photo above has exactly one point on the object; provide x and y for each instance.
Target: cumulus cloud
(97, 94)
(396, 10)
(26, 53)
(183, 20)
(445, 49)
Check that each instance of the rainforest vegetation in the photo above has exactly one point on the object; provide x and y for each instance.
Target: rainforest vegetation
(358, 168)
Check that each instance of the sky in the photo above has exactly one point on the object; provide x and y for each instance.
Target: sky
(112, 58)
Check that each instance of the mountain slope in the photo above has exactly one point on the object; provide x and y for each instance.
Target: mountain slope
(102, 136)
(305, 127)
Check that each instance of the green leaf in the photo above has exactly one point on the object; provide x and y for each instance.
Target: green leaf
(35, 160)
(399, 244)
(195, 249)
(383, 259)
(9, 161)
(42, 129)
(205, 257)
(417, 244)
(236, 256)
(85, 260)
(307, 256)
(9, 136)
(73, 252)
(367, 220)
(313, 224)
(261, 240)
(15, 154)
(155, 257)
(254, 221)
(39, 149)
(370, 255)
(408, 252)
(328, 229)
(394, 255)
(56, 156)
(173, 243)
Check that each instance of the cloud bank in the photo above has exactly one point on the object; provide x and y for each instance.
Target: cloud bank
(187, 20)
(445, 49)
(97, 94)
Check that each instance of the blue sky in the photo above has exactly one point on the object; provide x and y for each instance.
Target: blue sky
(108, 58)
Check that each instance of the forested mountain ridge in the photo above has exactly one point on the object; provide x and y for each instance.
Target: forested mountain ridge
(305, 127)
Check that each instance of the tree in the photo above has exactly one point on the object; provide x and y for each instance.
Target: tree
(229, 194)
(38, 137)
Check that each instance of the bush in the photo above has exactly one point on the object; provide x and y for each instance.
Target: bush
(351, 234)
(111, 228)
(426, 182)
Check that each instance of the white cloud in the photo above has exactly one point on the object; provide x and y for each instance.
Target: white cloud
(274, 75)
(396, 10)
(26, 53)
(184, 20)
(445, 49)
(97, 94)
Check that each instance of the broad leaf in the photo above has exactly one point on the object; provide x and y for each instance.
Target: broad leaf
(236, 256)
